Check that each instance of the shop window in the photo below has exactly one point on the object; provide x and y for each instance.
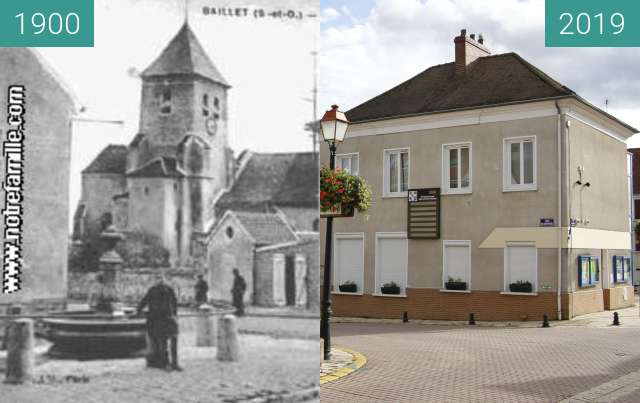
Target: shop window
(588, 271)
(621, 269)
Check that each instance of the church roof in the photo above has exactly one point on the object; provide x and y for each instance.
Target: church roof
(185, 55)
(266, 229)
(282, 179)
(160, 167)
(112, 160)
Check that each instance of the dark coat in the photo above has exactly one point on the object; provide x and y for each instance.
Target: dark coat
(201, 291)
(163, 309)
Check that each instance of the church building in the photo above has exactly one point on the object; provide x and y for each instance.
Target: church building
(178, 179)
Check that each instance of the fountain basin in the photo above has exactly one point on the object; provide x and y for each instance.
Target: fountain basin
(94, 335)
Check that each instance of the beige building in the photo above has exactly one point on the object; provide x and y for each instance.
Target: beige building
(533, 188)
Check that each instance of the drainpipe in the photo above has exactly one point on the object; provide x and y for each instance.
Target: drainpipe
(559, 275)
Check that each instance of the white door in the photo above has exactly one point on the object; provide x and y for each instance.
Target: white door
(301, 280)
(279, 296)
(349, 260)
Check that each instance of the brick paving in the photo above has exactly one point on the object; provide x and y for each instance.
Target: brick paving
(426, 363)
(282, 368)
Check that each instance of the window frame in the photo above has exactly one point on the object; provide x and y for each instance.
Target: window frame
(446, 243)
(405, 283)
(356, 154)
(336, 282)
(386, 193)
(445, 168)
(164, 103)
(507, 279)
(507, 186)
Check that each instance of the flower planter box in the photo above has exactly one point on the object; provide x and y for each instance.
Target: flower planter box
(394, 289)
(338, 211)
(348, 287)
(455, 285)
(521, 287)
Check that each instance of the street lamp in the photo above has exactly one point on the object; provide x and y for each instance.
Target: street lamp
(333, 126)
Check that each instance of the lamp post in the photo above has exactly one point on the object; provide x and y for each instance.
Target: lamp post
(333, 126)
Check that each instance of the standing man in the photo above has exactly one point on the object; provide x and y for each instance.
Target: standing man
(201, 290)
(162, 324)
(239, 287)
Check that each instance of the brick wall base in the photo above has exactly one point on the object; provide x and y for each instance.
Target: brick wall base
(426, 303)
(614, 297)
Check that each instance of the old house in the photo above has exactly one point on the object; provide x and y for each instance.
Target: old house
(497, 191)
(49, 108)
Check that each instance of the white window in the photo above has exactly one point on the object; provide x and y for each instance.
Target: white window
(456, 168)
(520, 265)
(520, 164)
(349, 260)
(391, 260)
(396, 172)
(348, 163)
(456, 262)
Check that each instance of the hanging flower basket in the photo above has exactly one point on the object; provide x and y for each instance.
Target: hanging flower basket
(341, 193)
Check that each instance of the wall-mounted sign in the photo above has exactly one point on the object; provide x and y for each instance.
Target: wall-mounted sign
(423, 213)
(546, 222)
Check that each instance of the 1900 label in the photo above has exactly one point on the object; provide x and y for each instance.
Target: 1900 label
(46, 23)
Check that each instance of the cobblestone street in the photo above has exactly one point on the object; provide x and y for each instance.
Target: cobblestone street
(271, 368)
(436, 363)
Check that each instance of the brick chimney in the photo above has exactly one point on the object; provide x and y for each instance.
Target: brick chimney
(468, 49)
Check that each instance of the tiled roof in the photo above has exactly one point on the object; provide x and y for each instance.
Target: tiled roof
(273, 179)
(489, 80)
(266, 229)
(161, 167)
(112, 160)
(184, 55)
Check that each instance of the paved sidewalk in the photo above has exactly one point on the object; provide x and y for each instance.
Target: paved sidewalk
(629, 318)
(623, 389)
(427, 363)
(342, 363)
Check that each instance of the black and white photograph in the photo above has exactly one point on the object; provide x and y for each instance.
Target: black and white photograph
(161, 216)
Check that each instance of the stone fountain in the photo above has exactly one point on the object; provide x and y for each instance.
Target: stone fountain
(106, 330)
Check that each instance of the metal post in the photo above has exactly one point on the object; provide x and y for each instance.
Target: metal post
(325, 331)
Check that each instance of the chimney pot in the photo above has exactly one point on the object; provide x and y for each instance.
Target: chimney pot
(468, 50)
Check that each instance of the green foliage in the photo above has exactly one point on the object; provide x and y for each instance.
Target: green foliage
(339, 188)
(141, 249)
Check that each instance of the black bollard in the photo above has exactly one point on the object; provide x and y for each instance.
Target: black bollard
(405, 317)
(472, 319)
(545, 321)
(616, 319)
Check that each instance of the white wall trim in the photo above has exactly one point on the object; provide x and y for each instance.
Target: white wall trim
(506, 165)
(445, 168)
(454, 118)
(385, 193)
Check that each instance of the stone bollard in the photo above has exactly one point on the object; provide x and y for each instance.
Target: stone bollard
(228, 344)
(616, 319)
(205, 327)
(20, 356)
(472, 319)
(405, 317)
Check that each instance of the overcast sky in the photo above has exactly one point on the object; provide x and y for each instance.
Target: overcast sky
(268, 62)
(369, 46)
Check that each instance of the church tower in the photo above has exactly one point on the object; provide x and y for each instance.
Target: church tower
(183, 127)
